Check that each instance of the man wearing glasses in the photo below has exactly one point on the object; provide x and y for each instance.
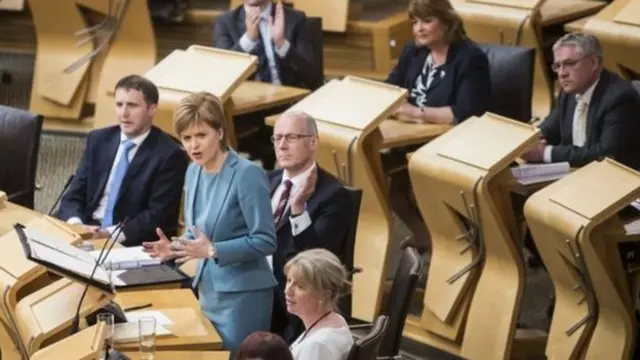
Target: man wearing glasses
(597, 114)
(311, 208)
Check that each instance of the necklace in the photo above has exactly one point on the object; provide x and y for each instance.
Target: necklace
(304, 334)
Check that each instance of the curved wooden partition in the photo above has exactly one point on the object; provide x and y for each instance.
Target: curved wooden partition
(8, 347)
(199, 68)
(476, 276)
(348, 148)
(576, 229)
(86, 344)
(78, 63)
(512, 23)
(618, 28)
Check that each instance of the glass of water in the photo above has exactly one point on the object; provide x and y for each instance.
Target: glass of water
(108, 320)
(147, 337)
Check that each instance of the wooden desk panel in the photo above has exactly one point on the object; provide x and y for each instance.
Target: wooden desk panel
(183, 355)
(252, 96)
(396, 133)
(180, 305)
(558, 11)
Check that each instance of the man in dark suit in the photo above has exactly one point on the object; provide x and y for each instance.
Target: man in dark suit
(132, 171)
(311, 208)
(278, 36)
(597, 114)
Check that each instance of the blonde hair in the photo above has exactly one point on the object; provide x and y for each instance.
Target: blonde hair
(443, 11)
(201, 107)
(324, 272)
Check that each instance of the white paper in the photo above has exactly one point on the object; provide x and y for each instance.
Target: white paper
(127, 258)
(537, 173)
(129, 331)
(161, 319)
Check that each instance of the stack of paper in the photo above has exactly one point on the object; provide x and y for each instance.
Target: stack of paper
(129, 331)
(537, 173)
(127, 258)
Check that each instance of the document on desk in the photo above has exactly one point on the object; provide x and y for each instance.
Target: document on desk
(127, 258)
(129, 331)
(529, 174)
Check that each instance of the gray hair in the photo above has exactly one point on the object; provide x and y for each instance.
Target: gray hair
(310, 122)
(324, 273)
(585, 43)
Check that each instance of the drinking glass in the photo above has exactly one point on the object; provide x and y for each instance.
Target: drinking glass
(108, 320)
(147, 337)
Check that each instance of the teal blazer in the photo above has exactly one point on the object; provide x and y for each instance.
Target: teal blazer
(243, 231)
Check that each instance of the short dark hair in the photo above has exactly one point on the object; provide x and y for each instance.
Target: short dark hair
(136, 82)
(264, 345)
(443, 11)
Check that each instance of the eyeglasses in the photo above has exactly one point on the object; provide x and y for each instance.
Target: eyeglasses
(567, 64)
(289, 137)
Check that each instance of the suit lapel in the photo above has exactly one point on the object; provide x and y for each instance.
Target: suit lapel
(415, 66)
(593, 106)
(227, 174)
(105, 163)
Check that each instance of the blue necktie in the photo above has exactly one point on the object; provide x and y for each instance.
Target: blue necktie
(121, 170)
(264, 70)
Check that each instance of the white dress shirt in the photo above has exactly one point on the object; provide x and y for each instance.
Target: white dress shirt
(98, 214)
(301, 222)
(248, 45)
(579, 134)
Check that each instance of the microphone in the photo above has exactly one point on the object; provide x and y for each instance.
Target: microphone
(114, 235)
(64, 190)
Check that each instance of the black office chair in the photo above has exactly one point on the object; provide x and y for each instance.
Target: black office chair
(314, 29)
(398, 303)
(348, 245)
(19, 145)
(636, 85)
(367, 347)
(511, 71)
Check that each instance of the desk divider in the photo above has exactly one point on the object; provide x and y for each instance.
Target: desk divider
(477, 261)
(571, 222)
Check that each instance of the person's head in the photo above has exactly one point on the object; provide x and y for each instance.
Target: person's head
(264, 346)
(435, 22)
(316, 280)
(199, 122)
(136, 103)
(295, 138)
(577, 59)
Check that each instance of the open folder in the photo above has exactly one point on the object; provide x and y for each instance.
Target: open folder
(67, 260)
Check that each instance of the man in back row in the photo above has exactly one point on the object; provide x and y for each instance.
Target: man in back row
(597, 114)
(278, 35)
(130, 171)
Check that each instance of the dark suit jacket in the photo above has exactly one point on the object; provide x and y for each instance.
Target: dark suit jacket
(299, 68)
(466, 85)
(613, 125)
(330, 210)
(150, 192)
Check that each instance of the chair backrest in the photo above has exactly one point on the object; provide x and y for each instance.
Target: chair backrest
(399, 301)
(348, 245)
(636, 85)
(19, 144)
(314, 29)
(366, 348)
(511, 71)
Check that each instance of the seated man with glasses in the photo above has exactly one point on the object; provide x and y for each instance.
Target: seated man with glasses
(311, 207)
(597, 114)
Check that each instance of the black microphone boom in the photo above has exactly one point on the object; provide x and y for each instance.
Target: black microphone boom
(64, 190)
(75, 325)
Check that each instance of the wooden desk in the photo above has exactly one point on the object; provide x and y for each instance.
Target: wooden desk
(397, 133)
(191, 330)
(577, 25)
(252, 96)
(183, 355)
(555, 12)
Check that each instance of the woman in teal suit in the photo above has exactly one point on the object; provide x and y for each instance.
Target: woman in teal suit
(230, 225)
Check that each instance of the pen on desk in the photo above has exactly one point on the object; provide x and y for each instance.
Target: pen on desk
(138, 307)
